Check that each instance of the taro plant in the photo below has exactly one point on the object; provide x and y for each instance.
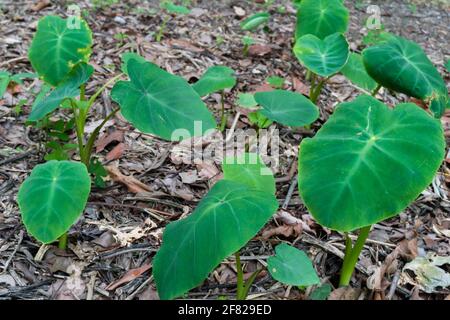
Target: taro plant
(231, 214)
(170, 9)
(247, 41)
(216, 79)
(53, 197)
(366, 164)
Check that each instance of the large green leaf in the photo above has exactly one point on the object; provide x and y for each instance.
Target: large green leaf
(287, 108)
(157, 102)
(68, 88)
(321, 18)
(229, 216)
(255, 21)
(249, 169)
(215, 79)
(53, 197)
(368, 162)
(56, 47)
(401, 65)
(323, 57)
(356, 72)
(292, 267)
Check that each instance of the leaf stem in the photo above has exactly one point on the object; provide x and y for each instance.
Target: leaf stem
(62, 241)
(90, 144)
(240, 278)
(352, 255)
(374, 92)
(79, 127)
(223, 117)
(83, 92)
(161, 30)
(99, 91)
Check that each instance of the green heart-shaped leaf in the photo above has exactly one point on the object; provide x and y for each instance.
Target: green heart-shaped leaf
(356, 72)
(53, 197)
(321, 18)
(368, 162)
(59, 44)
(287, 108)
(157, 102)
(224, 221)
(292, 267)
(401, 65)
(69, 88)
(323, 57)
(255, 21)
(215, 79)
(246, 100)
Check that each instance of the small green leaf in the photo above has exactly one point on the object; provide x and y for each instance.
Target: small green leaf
(288, 108)
(53, 197)
(216, 78)
(4, 82)
(173, 8)
(292, 267)
(276, 82)
(321, 18)
(368, 162)
(224, 221)
(356, 72)
(258, 119)
(401, 65)
(323, 57)
(159, 103)
(255, 21)
(58, 45)
(69, 88)
(246, 100)
(18, 78)
(99, 172)
(321, 293)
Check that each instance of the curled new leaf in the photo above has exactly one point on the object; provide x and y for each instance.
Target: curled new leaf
(160, 103)
(53, 197)
(368, 162)
(58, 45)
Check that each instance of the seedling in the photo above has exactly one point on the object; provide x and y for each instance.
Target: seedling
(171, 9)
(7, 79)
(254, 21)
(275, 82)
(55, 194)
(259, 120)
(247, 42)
(216, 79)
(120, 37)
(371, 143)
(231, 214)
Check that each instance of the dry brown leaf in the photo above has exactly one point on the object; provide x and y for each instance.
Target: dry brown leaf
(283, 230)
(116, 152)
(106, 139)
(41, 5)
(130, 182)
(184, 45)
(345, 293)
(259, 50)
(299, 86)
(129, 276)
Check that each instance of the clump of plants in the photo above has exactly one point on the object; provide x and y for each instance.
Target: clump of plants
(53, 197)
